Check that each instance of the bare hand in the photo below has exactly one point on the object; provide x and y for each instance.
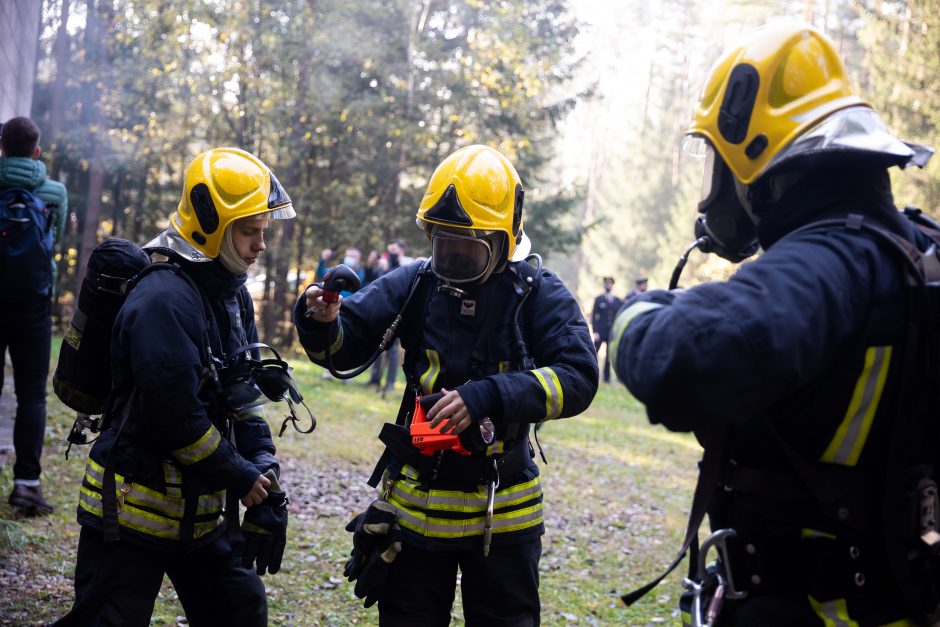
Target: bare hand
(317, 308)
(452, 411)
(257, 494)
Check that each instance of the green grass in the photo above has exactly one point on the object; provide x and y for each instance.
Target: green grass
(617, 492)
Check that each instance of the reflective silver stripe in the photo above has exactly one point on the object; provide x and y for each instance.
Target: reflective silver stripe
(429, 378)
(467, 502)
(247, 413)
(852, 433)
(132, 517)
(554, 395)
(138, 494)
(145, 522)
(211, 503)
(172, 478)
(334, 348)
(504, 522)
(200, 449)
(621, 323)
(834, 613)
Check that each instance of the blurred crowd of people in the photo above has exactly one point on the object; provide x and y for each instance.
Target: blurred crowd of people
(376, 264)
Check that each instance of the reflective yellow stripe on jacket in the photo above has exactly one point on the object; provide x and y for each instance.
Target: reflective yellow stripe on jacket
(852, 433)
(200, 449)
(554, 394)
(458, 514)
(146, 510)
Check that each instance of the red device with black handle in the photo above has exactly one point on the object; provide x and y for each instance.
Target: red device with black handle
(428, 440)
(340, 278)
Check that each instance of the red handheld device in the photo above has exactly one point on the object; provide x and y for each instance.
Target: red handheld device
(429, 440)
(340, 278)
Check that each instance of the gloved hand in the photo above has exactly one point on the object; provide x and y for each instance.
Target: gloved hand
(376, 544)
(265, 530)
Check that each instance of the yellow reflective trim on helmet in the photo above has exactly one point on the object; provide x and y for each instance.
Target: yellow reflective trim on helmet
(852, 433)
(200, 449)
(810, 534)
(834, 613)
(429, 378)
(622, 321)
(554, 394)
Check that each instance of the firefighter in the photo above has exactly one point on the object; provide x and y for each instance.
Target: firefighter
(789, 372)
(457, 332)
(177, 451)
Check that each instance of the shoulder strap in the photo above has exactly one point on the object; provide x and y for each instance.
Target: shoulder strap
(412, 315)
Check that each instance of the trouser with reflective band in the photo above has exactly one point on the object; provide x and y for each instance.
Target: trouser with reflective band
(116, 584)
(501, 590)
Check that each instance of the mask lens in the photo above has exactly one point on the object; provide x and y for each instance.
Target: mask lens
(459, 258)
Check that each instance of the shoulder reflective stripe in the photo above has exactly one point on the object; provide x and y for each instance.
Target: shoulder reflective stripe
(850, 437)
(429, 378)
(504, 366)
(620, 325)
(504, 522)
(834, 613)
(200, 449)
(334, 348)
(554, 395)
(467, 502)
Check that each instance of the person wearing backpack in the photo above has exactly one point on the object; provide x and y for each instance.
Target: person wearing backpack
(184, 436)
(33, 211)
(792, 373)
(492, 344)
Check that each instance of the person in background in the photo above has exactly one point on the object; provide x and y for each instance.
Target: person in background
(390, 360)
(639, 286)
(371, 269)
(602, 321)
(27, 284)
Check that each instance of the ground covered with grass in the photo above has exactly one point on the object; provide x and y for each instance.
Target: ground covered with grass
(617, 492)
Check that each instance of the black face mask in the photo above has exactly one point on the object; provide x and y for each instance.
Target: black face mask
(730, 232)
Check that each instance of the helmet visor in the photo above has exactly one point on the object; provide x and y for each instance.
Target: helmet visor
(459, 258)
(701, 150)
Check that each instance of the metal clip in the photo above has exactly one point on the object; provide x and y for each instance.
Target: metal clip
(713, 582)
(490, 503)
(125, 489)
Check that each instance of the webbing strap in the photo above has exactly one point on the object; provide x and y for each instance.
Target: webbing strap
(109, 513)
(709, 471)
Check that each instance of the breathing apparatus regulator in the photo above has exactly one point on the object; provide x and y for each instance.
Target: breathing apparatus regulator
(725, 227)
(248, 381)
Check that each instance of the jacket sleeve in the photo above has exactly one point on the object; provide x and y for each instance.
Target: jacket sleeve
(728, 351)
(162, 334)
(565, 379)
(252, 434)
(362, 320)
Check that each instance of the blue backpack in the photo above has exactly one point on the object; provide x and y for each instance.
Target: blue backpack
(26, 242)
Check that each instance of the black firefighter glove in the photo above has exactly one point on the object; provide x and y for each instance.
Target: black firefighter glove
(376, 544)
(265, 530)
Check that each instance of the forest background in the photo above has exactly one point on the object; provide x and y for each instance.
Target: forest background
(353, 103)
